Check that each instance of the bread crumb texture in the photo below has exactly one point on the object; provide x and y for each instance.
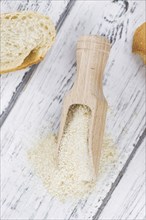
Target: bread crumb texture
(25, 39)
(68, 173)
(139, 41)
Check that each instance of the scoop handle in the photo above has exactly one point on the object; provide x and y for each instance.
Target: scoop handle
(92, 54)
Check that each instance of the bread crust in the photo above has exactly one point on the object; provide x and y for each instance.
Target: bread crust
(139, 41)
(24, 65)
(34, 57)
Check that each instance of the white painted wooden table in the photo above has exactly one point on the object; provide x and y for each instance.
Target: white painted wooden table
(31, 102)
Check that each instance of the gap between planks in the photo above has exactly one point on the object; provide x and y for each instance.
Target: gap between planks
(115, 184)
(96, 216)
(28, 75)
(128, 199)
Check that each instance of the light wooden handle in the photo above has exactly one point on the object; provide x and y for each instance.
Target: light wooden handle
(92, 55)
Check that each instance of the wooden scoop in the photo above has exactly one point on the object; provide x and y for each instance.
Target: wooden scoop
(92, 55)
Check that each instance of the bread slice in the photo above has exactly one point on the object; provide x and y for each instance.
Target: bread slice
(139, 41)
(25, 39)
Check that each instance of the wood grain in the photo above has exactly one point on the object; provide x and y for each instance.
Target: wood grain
(12, 84)
(37, 111)
(127, 201)
(87, 90)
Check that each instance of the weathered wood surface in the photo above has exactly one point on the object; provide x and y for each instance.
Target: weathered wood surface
(128, 201)
(12, 84)
(37, 111)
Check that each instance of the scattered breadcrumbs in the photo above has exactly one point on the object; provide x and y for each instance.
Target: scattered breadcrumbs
(69, 173)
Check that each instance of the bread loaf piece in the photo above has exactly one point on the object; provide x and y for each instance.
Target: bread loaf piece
(25, 39)
(139, 41)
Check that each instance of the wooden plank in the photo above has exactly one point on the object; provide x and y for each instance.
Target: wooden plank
(128, 199)
(12, 84)
(37, 111)
(90, 211)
